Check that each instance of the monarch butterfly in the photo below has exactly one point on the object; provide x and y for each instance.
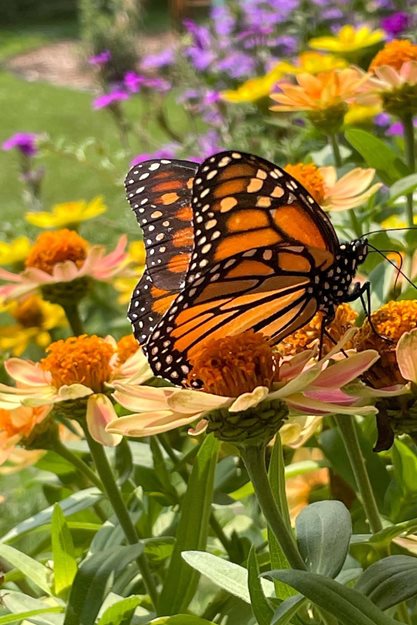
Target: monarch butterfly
(233, 244)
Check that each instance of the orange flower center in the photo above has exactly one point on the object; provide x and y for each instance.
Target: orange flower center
(395, 53)
(55, 247)
(234, 365)
(126, 347)
(79, 360)
(391, 321)
(309, 335)
(310, 177)
(28, 312)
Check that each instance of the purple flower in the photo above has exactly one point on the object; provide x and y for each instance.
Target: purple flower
(208, 144)
(201, 59)
(382, 119)
(237, 65)
(25, 142)
(395, 130)
(133, 82)
(161, 59)
(222, 20)
(157, 84)
(200, 34)
(396, 23)
(100, 59)
(109, 98)
(167, 151)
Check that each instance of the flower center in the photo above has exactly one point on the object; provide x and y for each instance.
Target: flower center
(307, 336)
(126, 347)
(391, 321)
(234, 365)
(310, 177)
(28, 312)
(395, 53)
(79, 360)
(55, 247)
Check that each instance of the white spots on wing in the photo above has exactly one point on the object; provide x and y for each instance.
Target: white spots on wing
(144, 176)
(212, 174)
(154, 166)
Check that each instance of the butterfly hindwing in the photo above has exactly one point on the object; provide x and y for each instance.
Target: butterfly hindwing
(159, 192)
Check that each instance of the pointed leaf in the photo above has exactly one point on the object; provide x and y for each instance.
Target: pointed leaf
(347, 605)
(181, 619)
(65, 566)
(377, 154)
(121, 612)
(93, 580)
(181, 581)
(288, 608)
(260, 606)
(323, 530)
(227, 575)
(48, 613)
(34, 570)
(389, 581)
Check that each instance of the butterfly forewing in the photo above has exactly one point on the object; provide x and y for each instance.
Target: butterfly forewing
(159, 192)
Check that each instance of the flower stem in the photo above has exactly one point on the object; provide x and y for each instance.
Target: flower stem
(76, 461)
(334, 144)
(73, 315)
(116, 500)
(409, 146)
(347, 428)
(254, 458)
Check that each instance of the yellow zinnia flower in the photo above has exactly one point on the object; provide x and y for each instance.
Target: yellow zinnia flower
(315, 62)
(358, 113)
(14, 252)
(67, 214)
(348, 39)
(257, 88)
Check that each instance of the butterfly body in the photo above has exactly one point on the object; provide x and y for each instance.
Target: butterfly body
(257, 252)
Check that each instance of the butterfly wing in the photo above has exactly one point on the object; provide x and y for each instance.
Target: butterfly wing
(241, 202)
(159, 192)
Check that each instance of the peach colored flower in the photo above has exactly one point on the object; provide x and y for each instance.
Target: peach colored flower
(350, 191)
(16, 425)
(61, 257)
(319, 92)
(80, 368)
(239, 378)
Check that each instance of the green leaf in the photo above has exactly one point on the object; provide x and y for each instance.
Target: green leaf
(402, 187)
(260, 606)
(121, 612)
(277, 475)
(181, 581)
(323, 531)
(180, 619)
(347, 605)
(47, 613)
(65, 566)
(377, 154)
(389, 581)
(35, 571)
(228, 575)
(93, 581)
(287, 610)
(14, 618)
(78, 501)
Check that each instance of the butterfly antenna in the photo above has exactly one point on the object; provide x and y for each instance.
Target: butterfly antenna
(397, 267)
(366, 234)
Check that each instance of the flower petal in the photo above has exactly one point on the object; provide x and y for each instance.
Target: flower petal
(407, 356)
(73, 391)
(142, 398)
(346, 370)
(149, 423)
(189, 401)
(248, 400)
(303, 404)
(100, 412)
(27, 372)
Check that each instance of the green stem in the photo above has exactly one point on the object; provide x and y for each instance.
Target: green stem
(74, 319)
(355, 223)
(277, 472)
(334, 144)
(254, 458)
(76, 461)
(347, 428)
(116, 500)
(409, 146)
(403, 614)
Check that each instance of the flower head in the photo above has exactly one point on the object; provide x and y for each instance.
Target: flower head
(67, 214)
(109, 99)
(350, 191)
(256, 88)
(396, 23)
(348, 39)
(25, 142)
(33, 319)
(382, 332)
(20, 426)
(75, 377)
(63, 256)
(102, 58)
(394, 54)
(247, 393)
